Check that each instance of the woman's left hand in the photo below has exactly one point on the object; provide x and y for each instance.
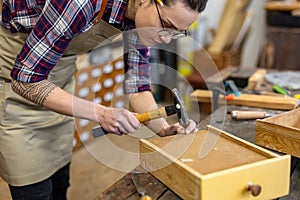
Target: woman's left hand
(178, 129)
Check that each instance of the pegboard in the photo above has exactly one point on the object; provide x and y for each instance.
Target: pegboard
(101, 84)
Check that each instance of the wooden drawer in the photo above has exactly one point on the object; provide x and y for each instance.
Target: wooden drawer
(280, 133)
(224, 173)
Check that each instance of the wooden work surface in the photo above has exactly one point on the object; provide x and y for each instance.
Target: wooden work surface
(245, 129)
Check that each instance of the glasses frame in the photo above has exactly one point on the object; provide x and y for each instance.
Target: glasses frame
(167, 32)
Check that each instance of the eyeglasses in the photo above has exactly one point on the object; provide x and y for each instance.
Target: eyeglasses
(167, 32)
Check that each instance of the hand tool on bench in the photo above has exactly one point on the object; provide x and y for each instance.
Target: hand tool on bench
(216, 93)
(232, 87)
(241, 114)
(177, 107)
(140, 189)
(276, 88)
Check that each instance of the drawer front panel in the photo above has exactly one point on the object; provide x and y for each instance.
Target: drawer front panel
(272, 175)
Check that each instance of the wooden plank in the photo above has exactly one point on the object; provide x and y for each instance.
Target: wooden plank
(232, 20)
(282, 6)
(256, 79)
(251, 100)
(244, 32)
(280, 133)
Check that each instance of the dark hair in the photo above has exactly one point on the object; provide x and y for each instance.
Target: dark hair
(198, 5)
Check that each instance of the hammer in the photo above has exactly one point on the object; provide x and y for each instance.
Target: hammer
(177, 107)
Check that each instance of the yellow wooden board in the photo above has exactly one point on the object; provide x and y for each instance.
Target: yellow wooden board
(251, 100)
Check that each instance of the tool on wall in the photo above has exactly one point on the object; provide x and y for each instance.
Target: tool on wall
(177, 108)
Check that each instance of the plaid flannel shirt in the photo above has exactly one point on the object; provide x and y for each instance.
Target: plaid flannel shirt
(53, 24)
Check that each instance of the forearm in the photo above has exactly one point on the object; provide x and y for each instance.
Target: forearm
(52, 97)
(143, 102)
(115, 120)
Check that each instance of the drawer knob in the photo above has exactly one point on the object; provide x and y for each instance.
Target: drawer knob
(255, 189)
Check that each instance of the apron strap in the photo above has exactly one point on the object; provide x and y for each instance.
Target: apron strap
(102, 9)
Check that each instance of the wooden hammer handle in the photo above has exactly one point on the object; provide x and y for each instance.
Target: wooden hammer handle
(142, 117)
(154, 114)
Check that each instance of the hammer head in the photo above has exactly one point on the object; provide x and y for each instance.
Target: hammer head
(181, 112)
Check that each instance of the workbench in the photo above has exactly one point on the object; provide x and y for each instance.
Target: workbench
(245, 129)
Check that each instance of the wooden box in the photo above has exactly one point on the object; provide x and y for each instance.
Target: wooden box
(227, 172)
(280, 133)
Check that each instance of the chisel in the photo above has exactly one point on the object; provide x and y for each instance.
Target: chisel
(239, 114)
(140, 189)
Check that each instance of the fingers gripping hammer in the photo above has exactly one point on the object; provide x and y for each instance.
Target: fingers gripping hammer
(177, 108)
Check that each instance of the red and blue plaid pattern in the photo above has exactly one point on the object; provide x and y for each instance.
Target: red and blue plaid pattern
(52, 25)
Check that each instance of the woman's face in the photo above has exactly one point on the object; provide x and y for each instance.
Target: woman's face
(148, 23)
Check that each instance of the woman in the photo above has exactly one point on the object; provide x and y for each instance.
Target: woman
(39, 41)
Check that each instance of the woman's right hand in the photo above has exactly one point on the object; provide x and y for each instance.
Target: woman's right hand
(117, 120)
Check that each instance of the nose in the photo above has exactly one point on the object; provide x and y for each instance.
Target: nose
(166, 39)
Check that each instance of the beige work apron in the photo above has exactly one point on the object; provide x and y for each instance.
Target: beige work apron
(35, 142)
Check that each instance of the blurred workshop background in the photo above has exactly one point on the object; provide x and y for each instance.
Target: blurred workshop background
(243, 34)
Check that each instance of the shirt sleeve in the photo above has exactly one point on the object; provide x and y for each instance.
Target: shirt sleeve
(137, 67)
(59, 22)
